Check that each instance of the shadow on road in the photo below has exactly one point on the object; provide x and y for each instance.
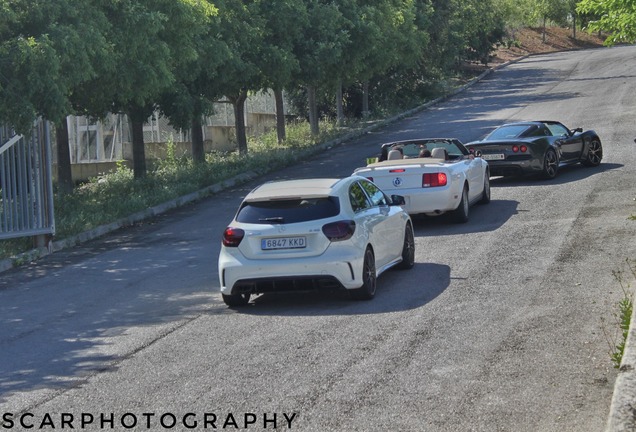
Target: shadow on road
(426, 282)
(567, 174)
(482, 218)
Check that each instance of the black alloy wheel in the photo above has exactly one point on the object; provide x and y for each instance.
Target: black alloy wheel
(367, 290)
(408, 250)
(594, 154)
(550, 164)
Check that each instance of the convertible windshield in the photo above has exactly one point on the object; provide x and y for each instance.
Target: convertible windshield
(421, 148)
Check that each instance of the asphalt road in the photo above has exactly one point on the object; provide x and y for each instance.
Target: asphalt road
(502, 325)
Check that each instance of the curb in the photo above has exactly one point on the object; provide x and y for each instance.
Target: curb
(622, 414)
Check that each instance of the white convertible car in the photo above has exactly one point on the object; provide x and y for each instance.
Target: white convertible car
(434, 175)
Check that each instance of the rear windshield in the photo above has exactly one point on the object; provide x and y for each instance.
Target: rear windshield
(507, 132)
(288, 210)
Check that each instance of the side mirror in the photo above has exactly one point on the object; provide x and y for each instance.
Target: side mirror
(397, 200)
(474, 153)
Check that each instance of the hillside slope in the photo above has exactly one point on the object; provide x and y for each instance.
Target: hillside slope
(530, 41)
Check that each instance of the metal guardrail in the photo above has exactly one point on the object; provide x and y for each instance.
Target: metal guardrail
(26, 184)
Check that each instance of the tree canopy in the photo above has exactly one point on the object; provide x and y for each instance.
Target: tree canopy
(617, 17)
(88, 57)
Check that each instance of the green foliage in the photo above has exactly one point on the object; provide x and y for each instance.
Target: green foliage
(624, 315)
(616, 17)
(625, 307)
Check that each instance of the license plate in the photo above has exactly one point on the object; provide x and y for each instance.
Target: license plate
(495, 156)
(284, 243)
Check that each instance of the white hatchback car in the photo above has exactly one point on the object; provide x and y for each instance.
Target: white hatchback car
(311, 234)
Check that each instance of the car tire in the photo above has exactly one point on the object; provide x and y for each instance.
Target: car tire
(594, 154)
(408, 250)
(460, 214)
(367, 290)
(550, 164)
(236, 300)
(485, 196)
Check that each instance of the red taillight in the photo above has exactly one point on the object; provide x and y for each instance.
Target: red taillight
(434, 179)
(400, 170)
(232, 236)
(515, 148)
(523, 148)
(339, 231)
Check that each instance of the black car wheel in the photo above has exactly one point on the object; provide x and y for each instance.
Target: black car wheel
(460, 214)
(485, 196)
(594, 154)
(550, 164)
(367, 290)
(408, 250)
(236, 300)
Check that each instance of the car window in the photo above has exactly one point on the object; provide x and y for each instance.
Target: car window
(376, 196)
(411, 150)
(558, 130)
(285, 211)
(454, 151)
(358, 198)
(507, 132)
(537, 131)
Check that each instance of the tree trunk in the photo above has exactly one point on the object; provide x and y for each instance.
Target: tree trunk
(365, 99)
(574, 25)
(339, 109)
(313, 110)
(280, 116)
(64, 174)
(544, 29)
(198, 152)
(239, 120)
(137, 118)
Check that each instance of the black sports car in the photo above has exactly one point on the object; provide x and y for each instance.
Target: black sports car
(538, 147)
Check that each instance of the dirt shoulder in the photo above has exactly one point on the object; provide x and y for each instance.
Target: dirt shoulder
(530, 41)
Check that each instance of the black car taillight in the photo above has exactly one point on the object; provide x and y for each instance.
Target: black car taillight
(232, 236)
(339, 231)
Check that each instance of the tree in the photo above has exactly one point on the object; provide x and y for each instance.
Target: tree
(197, 86)
(152, 40)
(616, 17)
(284, 23)
(483, 28)
(242, 28)
(555, 10)
(320, 51)
(382, 35)
(48, 49)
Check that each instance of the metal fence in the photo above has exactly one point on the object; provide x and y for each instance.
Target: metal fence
(26, 184)
(105, 140)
